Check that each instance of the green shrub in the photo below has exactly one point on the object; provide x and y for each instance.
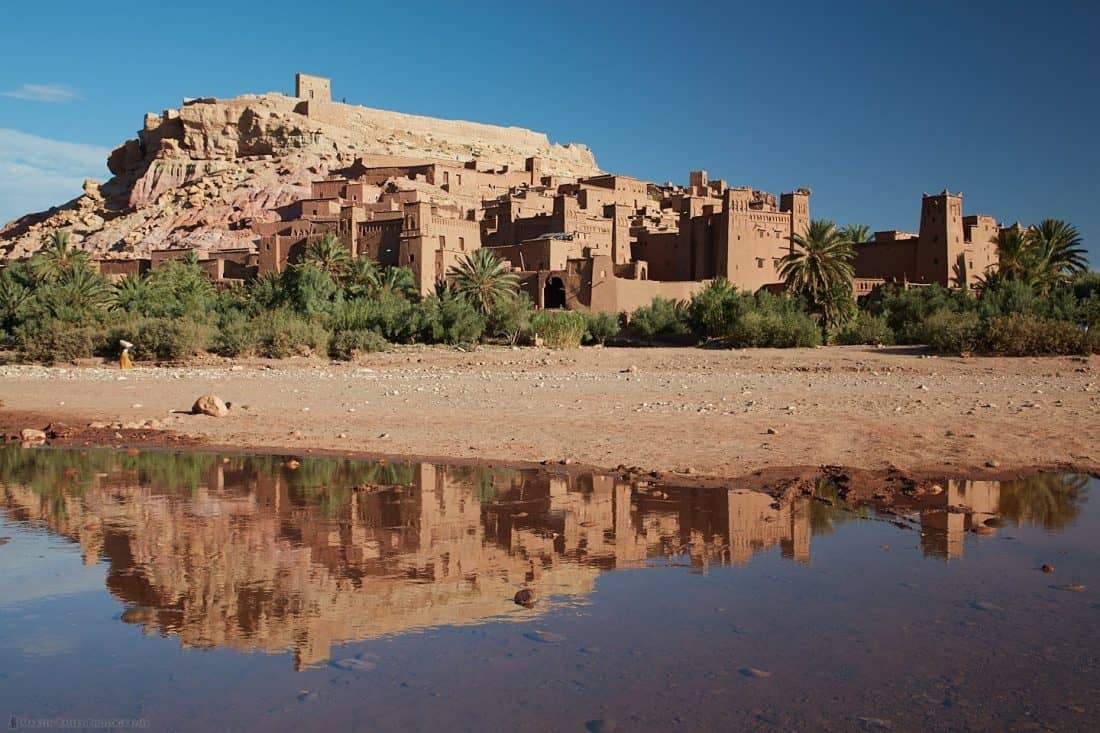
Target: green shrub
(906, 310)
(1022, 334)
(773, 330)
(559, 329)
(448, 318)
(170, 339)
(282, 334)
(235, 335)
(865, 328)
(950, 332)
(714, 308)
(510, 317)
(599, 327)
(346, 344)
(51, 341)
(662, 317)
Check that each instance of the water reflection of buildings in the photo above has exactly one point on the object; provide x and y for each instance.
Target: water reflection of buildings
(962, 506)
(250, 560)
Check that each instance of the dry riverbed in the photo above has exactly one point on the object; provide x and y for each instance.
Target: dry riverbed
(688, 411)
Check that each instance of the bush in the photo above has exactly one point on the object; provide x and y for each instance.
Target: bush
(170, 339)
(51, 341)
(950, 332)
(510, 317)
(235, 335)
(599, 327)
(448, 318)
(346, 344)
(1022, 334)
(559, 329)
(907, 310)
(774, 330)
(714, 308)
(282, 334)
(865, 328)
(662, 317)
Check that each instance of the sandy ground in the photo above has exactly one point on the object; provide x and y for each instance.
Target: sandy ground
(693, 411)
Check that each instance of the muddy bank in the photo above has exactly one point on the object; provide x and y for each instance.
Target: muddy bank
(684, 413)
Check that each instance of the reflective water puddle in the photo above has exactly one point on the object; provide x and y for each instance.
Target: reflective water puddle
(201, 592)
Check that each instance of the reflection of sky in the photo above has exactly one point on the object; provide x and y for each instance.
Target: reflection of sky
(37, 565)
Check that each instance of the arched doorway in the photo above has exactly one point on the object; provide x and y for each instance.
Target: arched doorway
(553, 293)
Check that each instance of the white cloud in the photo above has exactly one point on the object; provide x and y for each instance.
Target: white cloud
(44, 93)
(37, 173)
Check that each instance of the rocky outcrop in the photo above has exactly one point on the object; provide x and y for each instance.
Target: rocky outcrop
(201, 174)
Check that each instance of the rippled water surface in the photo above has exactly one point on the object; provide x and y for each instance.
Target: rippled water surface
(209, 592)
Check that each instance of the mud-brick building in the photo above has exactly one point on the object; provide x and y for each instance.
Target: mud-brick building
(950, 249)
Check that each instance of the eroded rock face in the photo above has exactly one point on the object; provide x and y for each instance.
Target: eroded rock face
(199, 175)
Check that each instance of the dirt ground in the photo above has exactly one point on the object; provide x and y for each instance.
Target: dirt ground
(691, 411)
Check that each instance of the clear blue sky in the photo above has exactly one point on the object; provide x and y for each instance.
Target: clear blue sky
(867, 103)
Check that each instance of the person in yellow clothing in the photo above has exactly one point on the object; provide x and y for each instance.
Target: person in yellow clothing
(124, 361)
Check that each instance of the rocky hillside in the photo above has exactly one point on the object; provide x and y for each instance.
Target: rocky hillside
(198, 175)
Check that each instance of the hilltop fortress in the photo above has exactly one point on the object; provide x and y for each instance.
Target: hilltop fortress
(247, 184)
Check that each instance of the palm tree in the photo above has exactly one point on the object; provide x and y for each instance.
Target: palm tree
(361, 277)
(82, 291)
(1057, 246)
(397, 281)
(1015, 257)
(132, 293)
(56, 257)
(329, 255)
(14, 298)
(856, 233)
(819, 267)
(1040, 257)
(483, 279)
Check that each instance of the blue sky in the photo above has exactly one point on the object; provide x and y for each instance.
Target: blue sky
(867, 103)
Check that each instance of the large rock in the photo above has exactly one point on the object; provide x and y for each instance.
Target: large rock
(32, 436)
(211, 405)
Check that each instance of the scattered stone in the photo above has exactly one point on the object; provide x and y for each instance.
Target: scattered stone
(773, 431)
(210, 405)
(526, 597)
(935, 489)
(754, 672)
(992, 464)
(32, 435)
(383, 436)
(292, 464)
(354, 664)
(1075, 587)
(985, 606)
(1047, 568)
(307, 696)
(544, 637)
(603, 725)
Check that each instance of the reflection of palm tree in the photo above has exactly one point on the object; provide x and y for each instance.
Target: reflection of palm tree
(1047, 500)
(825, 515)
